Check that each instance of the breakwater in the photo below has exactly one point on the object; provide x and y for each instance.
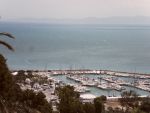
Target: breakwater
(96, 72)
(139, 80)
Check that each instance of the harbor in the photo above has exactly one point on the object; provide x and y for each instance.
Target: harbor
(86, 81)
(89, 86)
(98, 82)
(93, 72)
(103, 87)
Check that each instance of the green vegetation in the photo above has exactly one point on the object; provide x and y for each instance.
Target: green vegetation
(98, 103)
(12, 98)
(71, 103)
(69, 100)
(145, 105)
(137, 110)
(129, 99)
(3, 34)
(36, 101)
(88, 108)
(133, 103)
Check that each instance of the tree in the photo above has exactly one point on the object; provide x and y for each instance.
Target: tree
(4, 43)
(145, 105)
(103, 98)
(137, 110)
(69, 100)
(116, 110)
(129, 99)
(12, 98)
(6, 81)
(36, 101)
(99, 106)
(89, 108)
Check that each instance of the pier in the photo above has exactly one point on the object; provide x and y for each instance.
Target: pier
(96, 72)
(139, 76)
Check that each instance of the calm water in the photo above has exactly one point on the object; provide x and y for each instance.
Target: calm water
(47, 46)
(98, 92)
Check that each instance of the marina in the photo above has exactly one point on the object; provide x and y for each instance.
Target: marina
(86, 81)
(89, 86)
(107, 85)
(97, 84)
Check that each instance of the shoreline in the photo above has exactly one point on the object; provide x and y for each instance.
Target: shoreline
(46, 73)
(95, 72)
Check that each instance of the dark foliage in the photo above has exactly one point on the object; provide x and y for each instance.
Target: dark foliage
(145, 105)
(88, 108)
(69, 100)
(98, 103)
(13, 99)
(129, 99)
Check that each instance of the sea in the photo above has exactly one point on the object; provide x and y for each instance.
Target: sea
(77, 46)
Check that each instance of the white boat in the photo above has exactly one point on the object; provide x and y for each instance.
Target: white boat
(105, 86)
(81, 90)
(89, 83)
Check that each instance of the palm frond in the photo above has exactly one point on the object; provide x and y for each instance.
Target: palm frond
(7, 45)
(7, 34)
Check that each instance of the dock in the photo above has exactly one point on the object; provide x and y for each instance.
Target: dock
(139, 76)
(94, 72)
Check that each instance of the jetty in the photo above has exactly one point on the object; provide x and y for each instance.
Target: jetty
(85, 81)
(139, 76)
(96, 72)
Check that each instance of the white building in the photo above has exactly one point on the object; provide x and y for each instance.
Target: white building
(87, 98)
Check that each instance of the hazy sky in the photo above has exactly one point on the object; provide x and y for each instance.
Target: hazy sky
(73, 8)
